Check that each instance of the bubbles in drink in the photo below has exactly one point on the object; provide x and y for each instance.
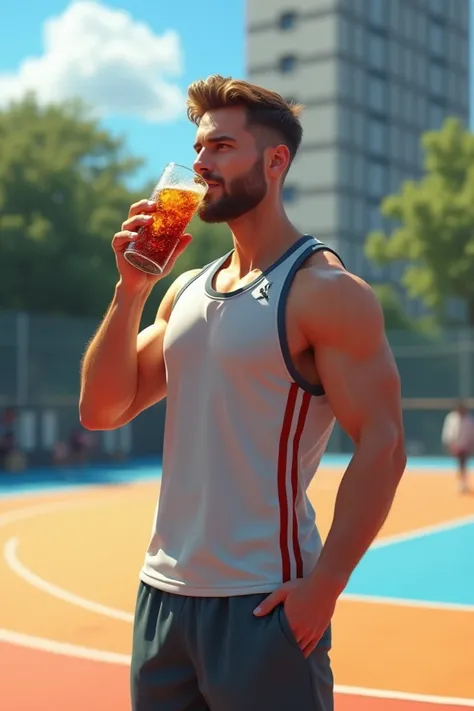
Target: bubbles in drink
(175, 207)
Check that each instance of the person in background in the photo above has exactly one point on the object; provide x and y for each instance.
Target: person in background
(458, 438)
(12, 459)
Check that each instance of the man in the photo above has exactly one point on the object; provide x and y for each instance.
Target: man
(257, 354)
(458, 437)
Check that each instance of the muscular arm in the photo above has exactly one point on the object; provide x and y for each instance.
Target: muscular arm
(361, 381)
(123, 371)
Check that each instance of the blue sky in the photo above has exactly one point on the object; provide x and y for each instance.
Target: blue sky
(196, 51)
(136, 76)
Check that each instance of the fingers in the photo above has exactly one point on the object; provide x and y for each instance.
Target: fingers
(309, 648)
(142, 206)
(270, 602)
(122, 239)
(137, 221)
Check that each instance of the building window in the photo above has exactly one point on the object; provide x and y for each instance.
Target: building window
(437, 6)
(395, 180)
(395, 57)
(421, 25)
(378, 12)
(409, 63)
(436, 116)
(345, 35)
(378, 181)
(410, 106)
(287, 63)
(377, 52)
(358, 172)
(377, 137)
(287, 20)
(359, 41)
(437, 40)
(421, 111)
(410, 19)
(421, 70)
(395, 100)
(395, 142)
(464, 46)
(436, 79)
(375, 218)
(358, 128)
(377, 98)
(359, 217)
(289, 193)
(408, 156)
(453, 43)
(358, 85)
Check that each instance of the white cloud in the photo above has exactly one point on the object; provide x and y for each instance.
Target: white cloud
(105, 57)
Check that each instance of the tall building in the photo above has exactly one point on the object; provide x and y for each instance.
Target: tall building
(373, 75)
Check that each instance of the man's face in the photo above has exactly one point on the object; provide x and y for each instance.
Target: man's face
(229, 161)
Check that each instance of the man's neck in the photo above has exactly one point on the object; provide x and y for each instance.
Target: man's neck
(260, 237)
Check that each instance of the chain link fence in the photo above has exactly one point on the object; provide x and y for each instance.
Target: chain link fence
(40, 358)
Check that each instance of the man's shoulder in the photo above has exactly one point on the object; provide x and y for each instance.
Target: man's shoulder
(323, 280)
(327, 300)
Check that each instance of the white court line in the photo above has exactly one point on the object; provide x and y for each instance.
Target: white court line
(404, 696)
(99, 655)
(407, 602)
(17, 567)
(11, 558)
(63, 648)
(423, 531)
(28, 512)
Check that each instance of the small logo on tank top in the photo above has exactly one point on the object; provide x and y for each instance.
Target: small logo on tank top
(261, 292)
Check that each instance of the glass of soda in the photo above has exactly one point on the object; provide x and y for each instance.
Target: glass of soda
(177, 196)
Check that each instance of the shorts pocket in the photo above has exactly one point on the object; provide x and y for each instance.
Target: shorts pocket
(286, 629)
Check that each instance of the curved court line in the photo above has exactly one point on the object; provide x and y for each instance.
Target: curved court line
(63, 648)
(99, 655)
(17, 567)
(28, 512)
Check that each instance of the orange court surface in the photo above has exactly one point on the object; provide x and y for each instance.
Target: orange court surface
(403, 632)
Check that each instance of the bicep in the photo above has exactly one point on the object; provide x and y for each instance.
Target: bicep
(364, 391)
(356, 365)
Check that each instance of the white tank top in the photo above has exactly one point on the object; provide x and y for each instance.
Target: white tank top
(244, 436)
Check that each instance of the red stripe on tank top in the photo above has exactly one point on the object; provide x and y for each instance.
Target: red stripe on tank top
(294, 480)
(282, 475)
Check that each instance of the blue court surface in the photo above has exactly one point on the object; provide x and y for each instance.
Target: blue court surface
(434, 568)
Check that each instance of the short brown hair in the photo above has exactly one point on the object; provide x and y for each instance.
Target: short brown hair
(264, 107)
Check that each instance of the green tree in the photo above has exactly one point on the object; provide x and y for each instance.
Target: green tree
(435, 217)
(63, 192)
(395, 317)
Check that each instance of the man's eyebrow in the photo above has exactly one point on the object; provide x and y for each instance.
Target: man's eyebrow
(215, 139)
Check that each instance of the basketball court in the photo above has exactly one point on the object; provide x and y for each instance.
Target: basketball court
(69, 562)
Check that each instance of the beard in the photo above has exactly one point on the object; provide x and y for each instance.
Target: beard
(244, 194)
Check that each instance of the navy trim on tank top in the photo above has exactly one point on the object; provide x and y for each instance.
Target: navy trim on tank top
(188, 283)
(213, 294)
(281, 318)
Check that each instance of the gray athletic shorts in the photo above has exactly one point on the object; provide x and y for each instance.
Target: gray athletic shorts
(213, 654)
